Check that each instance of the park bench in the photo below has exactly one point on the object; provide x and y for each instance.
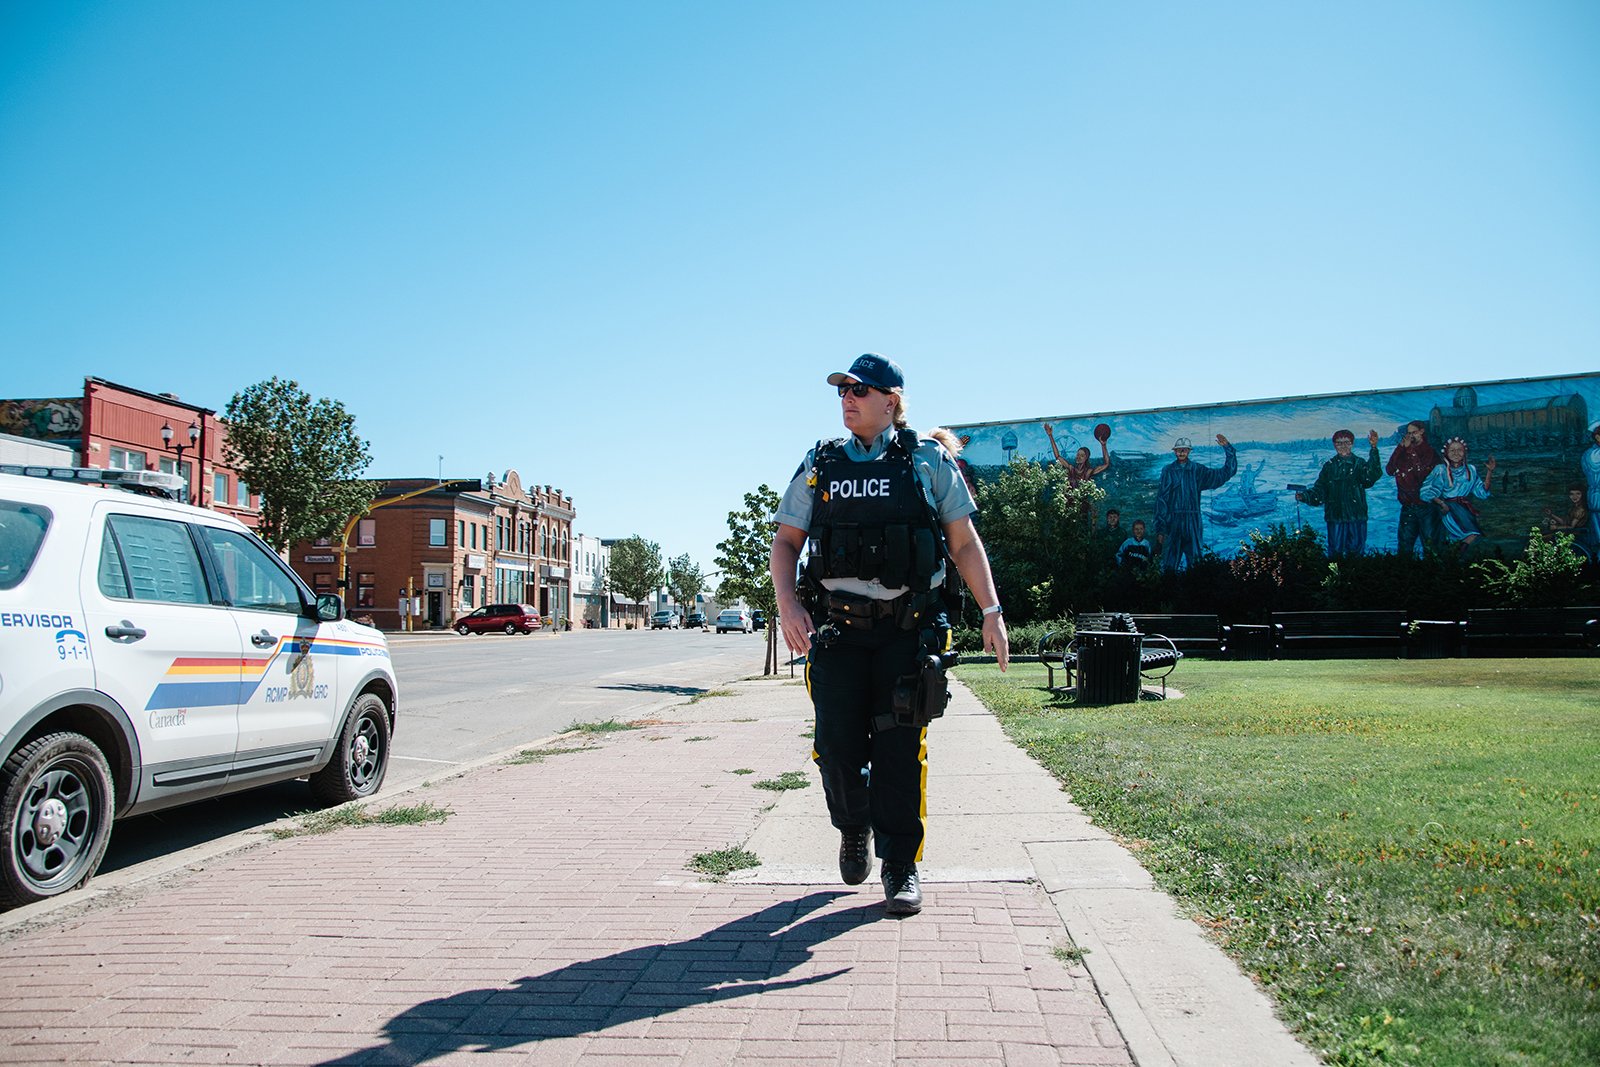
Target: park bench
(1059, 649)
(1311, 633)
(1540, 631)
(1189, 634)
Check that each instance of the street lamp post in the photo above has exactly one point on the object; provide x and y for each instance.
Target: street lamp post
(166, 441)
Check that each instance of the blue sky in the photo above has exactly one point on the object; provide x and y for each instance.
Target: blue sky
(618, 246)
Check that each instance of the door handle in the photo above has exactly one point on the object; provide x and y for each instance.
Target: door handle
(263, 640)
(127, 631)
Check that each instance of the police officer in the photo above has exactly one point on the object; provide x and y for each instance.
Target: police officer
(881, 514)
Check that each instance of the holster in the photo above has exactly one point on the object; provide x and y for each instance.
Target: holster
(922, 696)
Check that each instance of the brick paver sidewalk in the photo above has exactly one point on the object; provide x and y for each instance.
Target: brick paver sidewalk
(552, 919)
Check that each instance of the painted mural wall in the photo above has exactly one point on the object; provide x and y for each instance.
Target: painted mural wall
(1542, 435)
(53, 419)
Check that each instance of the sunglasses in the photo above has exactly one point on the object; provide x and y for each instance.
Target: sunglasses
(859, 389)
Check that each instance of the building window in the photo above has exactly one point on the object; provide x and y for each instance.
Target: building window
(366, 583)
(243, 497)
(367, 533)
(461, 532)
(466, 593)
(123, 459)
(435, 532)
(322, 582)
(474, 535)
(219, 488)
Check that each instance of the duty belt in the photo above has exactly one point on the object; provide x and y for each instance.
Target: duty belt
(850, 609)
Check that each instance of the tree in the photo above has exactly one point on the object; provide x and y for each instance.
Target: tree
(743, 560)
(684, 580)
(1037, 529)
(303, 456)
(635, 567)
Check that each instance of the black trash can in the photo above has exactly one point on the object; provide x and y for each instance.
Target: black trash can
(1108, 667)
(1435, 639)
(1250, 641)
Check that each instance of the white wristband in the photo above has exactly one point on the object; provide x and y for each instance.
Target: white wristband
(992, 609)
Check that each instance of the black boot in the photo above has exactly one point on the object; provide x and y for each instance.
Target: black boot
(902, 889)
(855, 855)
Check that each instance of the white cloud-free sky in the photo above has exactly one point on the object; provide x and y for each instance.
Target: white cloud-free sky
(618, 246)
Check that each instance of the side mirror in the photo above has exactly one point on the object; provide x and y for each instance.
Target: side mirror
(330, 607)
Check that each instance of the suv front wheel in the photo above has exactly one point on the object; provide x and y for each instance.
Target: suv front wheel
(362, 759)
(56, 800)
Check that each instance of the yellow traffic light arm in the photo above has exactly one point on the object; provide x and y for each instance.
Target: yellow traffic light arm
(349, 527)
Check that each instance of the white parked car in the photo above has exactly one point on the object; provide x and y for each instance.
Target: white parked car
(734, 619)
(152, 654)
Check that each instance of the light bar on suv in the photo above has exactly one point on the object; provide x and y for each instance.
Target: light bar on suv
(154, 483)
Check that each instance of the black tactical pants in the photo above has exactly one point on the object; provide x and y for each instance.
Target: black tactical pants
(872, 775)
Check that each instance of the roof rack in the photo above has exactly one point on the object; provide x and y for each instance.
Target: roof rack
(150, 483)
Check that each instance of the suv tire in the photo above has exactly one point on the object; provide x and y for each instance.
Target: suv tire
(362, 758)
(56, 802)
(511, 628)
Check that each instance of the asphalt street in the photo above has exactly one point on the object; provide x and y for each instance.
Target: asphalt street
(464, 698)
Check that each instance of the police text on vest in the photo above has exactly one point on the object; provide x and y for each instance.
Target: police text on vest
(859, 487)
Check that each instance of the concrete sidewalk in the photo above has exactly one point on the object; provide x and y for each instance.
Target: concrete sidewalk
(552, 919)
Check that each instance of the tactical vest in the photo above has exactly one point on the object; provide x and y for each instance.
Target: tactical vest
(873, 520)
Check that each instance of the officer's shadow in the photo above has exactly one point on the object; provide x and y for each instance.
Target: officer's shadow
(738, 959)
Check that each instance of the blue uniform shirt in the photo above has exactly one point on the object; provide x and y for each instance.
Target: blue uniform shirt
(936, 471)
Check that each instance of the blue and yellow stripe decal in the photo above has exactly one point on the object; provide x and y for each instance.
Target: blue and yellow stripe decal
(209, 682)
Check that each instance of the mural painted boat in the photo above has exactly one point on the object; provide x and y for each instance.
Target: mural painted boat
(1234, 505)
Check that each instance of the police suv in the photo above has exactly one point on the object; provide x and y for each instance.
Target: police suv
(153, 654)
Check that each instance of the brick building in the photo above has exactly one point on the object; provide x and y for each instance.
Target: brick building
(116, 427)
(451, 548)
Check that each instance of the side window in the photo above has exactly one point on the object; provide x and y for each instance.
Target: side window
(22, 528)
(151, 559)
(251, 575)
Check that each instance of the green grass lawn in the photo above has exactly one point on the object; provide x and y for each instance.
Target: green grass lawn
(1405, 854)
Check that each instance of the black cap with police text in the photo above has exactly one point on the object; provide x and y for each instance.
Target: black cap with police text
(875, 370)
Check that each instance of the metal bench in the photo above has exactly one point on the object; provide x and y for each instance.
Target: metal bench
(1338, 632)
(1059, 649)
(1189, 634)
(1539, 631)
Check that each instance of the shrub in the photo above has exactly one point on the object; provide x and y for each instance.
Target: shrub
(1280, 570)
(1023, 637)
(1546, 575)
(1432, 587)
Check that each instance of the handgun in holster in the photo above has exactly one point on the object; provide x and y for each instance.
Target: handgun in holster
(922, 696)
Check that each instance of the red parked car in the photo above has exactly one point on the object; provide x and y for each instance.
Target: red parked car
(501, 618)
